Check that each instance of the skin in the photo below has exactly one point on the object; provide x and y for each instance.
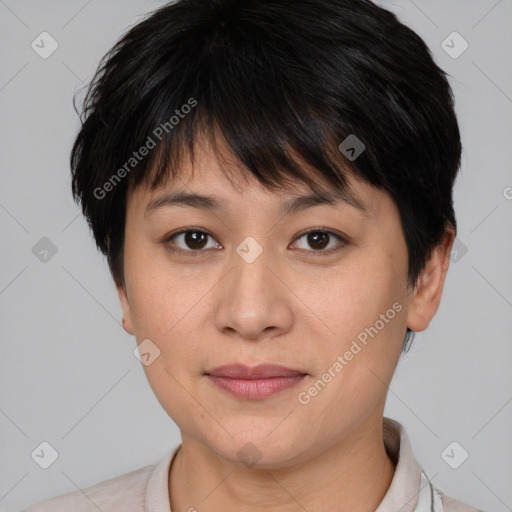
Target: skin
(292, 306)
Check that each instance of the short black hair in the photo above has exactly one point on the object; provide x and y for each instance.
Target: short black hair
(284, 83)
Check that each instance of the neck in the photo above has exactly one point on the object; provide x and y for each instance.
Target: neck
(353, 475)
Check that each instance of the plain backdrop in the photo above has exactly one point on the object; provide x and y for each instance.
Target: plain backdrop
(68, 375)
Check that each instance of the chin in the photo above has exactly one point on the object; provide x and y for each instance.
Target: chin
(260, 450)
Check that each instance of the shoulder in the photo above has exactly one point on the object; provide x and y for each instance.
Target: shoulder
(450, 504)
(125, 492)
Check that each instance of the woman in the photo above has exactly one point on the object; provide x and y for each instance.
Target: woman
(271, 183)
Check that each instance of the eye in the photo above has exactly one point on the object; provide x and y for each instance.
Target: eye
(193, 239)
(319, 239)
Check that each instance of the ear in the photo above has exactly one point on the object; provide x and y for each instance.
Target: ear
(429, 287)
(127, 316)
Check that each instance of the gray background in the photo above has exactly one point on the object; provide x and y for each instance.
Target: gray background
(67, 369)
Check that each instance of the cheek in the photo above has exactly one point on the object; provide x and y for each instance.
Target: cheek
(157, 300)
(168, 311)
(355, 296)
(363, 308)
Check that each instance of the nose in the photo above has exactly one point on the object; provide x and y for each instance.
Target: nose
(253, 300)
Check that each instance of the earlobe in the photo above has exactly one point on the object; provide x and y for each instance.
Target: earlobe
(125, 305)
(429, 287)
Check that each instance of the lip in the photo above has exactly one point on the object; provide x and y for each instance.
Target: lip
(254, 383)
(262, 371)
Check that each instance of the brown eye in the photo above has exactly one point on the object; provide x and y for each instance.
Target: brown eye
(319, 240)
(192, 241)
(195, 239)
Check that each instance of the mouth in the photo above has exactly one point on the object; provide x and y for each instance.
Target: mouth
(254, 383)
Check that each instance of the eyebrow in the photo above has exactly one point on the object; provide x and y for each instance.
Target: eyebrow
(291, 205)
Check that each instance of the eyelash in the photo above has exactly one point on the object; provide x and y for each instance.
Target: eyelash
(198, 252)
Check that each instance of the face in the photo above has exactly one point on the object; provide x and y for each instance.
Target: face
(246, 284)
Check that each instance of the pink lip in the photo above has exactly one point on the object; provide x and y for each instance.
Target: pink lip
(254, 383)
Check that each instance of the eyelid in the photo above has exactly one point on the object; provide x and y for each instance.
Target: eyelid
(343, 239)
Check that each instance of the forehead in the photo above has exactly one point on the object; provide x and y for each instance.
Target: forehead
(222, 184)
